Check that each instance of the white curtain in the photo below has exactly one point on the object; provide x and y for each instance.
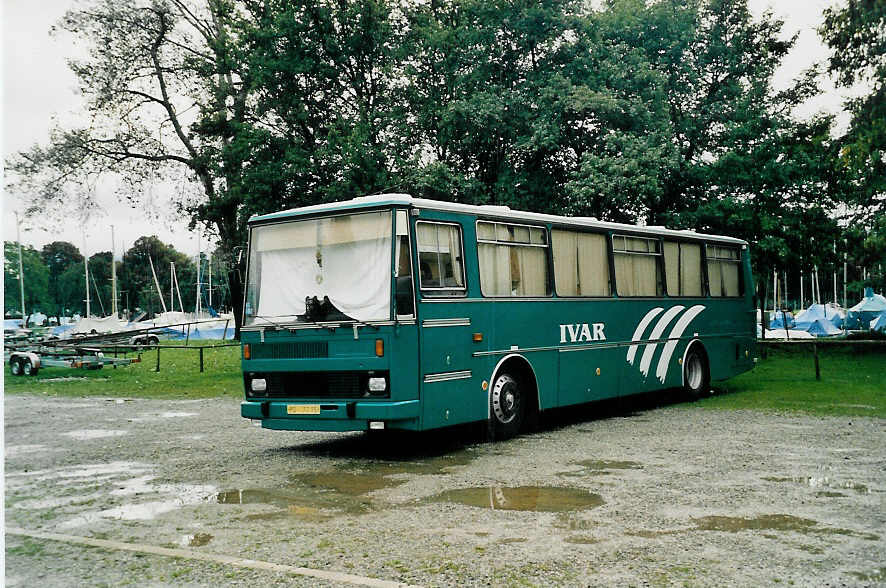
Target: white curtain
(347, 259)
(495, 269)
(683, 268)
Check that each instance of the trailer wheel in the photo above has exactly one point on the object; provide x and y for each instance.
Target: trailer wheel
(696, 374)
(28, 368)
(506, 406)
(153, 340)
(15, 366)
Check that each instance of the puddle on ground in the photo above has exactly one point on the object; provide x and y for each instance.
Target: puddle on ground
(348, 483)
(523, 498)
(509, 540)
(600, 467)
(769, 522)
(821, 482)
(317, 496)
(872, 577)
(16, 450)
(312, 504)
(88, 434)
(581, 540)
(600, 464)
(195, 540)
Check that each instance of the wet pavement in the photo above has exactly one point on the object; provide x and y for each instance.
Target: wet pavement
(667, 495)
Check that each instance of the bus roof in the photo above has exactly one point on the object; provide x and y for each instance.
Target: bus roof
(493, 212)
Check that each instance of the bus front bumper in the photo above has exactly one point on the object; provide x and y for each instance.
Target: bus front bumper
(331, 416)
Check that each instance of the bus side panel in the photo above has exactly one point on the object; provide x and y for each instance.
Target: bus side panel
(588, 375)
(525, 325)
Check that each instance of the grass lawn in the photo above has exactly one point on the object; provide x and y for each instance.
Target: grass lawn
(179, 376)
(853, 383)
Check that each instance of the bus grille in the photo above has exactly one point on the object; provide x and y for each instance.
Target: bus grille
(291, 350)
(317, 385)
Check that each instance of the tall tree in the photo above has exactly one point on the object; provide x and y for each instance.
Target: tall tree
(856, 33)
(163, 100)
(36, 276)
(58, 256)
(137, 280)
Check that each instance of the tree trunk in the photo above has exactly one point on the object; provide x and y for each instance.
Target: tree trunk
(236, 287)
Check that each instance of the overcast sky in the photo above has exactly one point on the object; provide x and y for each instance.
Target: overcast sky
(38, 86)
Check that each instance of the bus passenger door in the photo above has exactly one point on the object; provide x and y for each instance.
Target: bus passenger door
(445, 327)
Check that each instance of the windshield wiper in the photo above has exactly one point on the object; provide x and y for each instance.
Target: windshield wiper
(267, 320)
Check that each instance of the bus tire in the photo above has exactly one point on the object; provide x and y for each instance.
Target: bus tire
(15, 366)
(153, 340)
(507, 404)
(696, 373)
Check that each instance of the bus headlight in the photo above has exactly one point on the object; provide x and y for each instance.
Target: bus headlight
(377, 384)
(259, 385)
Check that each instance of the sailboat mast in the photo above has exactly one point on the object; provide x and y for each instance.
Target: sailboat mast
(157, 283)
(172, 286)
(113, 276)
(197, 303)
(210, 280)
(86, 271)
(21, 272)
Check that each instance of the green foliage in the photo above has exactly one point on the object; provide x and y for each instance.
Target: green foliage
(852, 383)
(856, 32)
(137, 281)
(660, 112)
(59, 256)
(36, 280)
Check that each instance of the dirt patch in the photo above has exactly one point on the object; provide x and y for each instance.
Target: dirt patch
(666, 496)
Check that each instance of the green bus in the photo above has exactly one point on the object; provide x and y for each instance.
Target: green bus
(393, 312)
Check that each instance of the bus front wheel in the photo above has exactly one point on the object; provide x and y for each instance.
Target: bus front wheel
(506, 406)
(696, 374)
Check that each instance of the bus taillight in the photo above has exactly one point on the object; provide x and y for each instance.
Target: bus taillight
(380, 347)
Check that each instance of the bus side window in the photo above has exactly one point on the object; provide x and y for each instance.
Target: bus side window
(724, 275)
(683, 268)
(637, 266)
(513, 260)
(405, 301)
(440, 270)
(581, 263)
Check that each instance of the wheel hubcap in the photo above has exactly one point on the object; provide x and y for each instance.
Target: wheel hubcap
(505, 399)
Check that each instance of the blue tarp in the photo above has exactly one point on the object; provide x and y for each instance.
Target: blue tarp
(61, 330)
(12, 323)
(869, 308)
(197, 332)
(822, 328)
(804, 320)
(879, 323)
(776, 319)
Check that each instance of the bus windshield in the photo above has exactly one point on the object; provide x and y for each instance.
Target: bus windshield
(325, 269)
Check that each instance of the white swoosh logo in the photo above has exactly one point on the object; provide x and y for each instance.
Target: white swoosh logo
(666, 318)
(638, 332)
(661, 371)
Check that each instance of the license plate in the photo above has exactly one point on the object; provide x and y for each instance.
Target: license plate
(302, 409)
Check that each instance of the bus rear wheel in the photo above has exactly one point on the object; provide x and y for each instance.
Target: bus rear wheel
(506, 406)
(696, 373)
(15, 366)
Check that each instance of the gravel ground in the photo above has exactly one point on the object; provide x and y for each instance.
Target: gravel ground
(673, 495)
